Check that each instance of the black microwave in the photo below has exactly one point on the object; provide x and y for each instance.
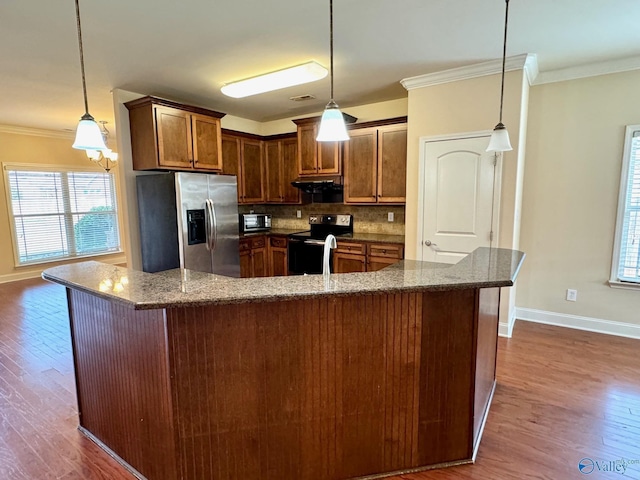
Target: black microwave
(255, 222)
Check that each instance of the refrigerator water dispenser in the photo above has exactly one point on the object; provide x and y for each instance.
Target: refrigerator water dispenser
(196, 230)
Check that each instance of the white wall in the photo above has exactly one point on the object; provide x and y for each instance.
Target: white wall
(574, 155)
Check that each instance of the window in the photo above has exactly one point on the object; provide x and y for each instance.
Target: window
(57, 213)
(625, 270)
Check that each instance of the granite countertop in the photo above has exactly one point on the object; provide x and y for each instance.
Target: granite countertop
(355, 237)
(273, 231)
(181, 288)
(373, 238)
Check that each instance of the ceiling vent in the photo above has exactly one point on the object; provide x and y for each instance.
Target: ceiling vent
(302, 98)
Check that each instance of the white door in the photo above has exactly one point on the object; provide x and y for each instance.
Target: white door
(459, 211)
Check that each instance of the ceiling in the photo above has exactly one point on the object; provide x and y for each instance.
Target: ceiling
(186, 50)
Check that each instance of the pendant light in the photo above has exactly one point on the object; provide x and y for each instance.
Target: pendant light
(500, 137)
(332, 126)
(88, 134)
(106, 158)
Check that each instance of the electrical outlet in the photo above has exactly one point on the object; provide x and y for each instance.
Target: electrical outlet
(299, 213)
(572, 295)
(390, 217)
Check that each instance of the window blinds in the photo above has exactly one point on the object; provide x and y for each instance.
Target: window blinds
(61, 214)
(629, 262)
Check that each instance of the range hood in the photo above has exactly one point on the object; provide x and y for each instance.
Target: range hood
(320, 189)
(313, 185)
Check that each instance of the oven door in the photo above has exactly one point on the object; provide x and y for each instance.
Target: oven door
(305, 256)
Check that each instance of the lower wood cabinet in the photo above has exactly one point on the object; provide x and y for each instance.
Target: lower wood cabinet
(350, 257)
(253, 257)
(349, 263)
(278, 260)
(266, 255)
(263, 256)
(380, 255)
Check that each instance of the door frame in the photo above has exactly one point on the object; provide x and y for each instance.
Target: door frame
(497, 178)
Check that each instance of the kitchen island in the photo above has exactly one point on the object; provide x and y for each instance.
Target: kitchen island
(186, 375)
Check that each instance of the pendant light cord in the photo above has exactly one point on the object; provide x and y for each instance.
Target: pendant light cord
(504, 56)
(84, 83)
(330, 42)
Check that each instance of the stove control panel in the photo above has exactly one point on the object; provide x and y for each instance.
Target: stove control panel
(342, 220)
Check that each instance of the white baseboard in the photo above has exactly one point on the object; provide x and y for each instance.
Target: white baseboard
(14, 277)
(588, 324)
(505, 329)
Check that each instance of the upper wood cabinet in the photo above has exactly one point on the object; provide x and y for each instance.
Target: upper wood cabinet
(317, 158)
(290, 170)
(272, 161)
(170, 136)
(243, 157)
(207, 142)
(252, 173)
(375, 165)
(281, 161)
(360, 166)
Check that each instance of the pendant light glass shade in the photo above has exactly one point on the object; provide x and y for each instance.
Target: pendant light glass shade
(500, 137)
(499, 140)
(332, 126)
(88, 135)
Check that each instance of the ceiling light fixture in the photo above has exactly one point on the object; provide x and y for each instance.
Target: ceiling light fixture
(105, 157)
(500, 137)
(88, 135)
(287, 77)
(332, 126)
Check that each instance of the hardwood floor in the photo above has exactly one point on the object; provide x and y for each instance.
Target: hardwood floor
(562, 396)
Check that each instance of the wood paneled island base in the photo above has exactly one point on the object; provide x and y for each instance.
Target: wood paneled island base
(328, 388)
(193, 376)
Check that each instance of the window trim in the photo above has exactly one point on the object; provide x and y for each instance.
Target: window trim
(614, 281)
(30, 167)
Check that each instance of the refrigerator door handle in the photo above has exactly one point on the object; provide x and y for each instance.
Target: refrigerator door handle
(214, 224)
(207, 227)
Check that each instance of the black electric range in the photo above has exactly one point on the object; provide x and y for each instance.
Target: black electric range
(306, 249)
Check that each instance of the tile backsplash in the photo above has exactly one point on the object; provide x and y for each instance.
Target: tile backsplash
(366, 219)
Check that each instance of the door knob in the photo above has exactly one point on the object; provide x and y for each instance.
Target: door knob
(427, 243)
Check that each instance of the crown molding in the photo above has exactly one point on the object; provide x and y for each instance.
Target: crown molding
(527, 62)
(618, 65)
(36, 132)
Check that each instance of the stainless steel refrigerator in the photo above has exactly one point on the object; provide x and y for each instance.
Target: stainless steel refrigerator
(189, 220)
